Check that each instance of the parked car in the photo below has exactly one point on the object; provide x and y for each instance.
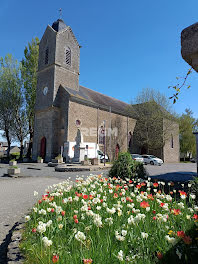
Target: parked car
(192, 160)
(101, 156)
(151, 159)
(137, 157)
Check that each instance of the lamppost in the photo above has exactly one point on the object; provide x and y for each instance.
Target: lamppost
(196, 135)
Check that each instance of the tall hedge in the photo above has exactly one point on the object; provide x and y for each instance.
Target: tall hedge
(126, 167)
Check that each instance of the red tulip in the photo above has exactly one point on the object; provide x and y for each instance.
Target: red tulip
(33, 230)
(155, 184)
(63, 213)
(195, 216)
(87, 261)
(144, 204)
(159, 255)
(181, 234)
(55, 259)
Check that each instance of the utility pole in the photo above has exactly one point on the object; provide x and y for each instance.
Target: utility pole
(110, 152)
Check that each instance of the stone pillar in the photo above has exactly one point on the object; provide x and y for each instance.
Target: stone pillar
(79, 148)
(196, 135)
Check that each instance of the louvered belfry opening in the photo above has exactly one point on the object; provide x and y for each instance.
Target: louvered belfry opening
(68, 56)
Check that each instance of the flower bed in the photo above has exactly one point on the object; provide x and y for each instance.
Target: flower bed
(104, 220)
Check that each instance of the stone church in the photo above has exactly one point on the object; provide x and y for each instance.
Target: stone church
(63, 107)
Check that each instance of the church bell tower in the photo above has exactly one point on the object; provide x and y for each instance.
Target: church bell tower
(58, 65)
(59, 56)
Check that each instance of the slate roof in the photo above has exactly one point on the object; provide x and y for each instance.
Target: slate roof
(59, 25)
(96, 99)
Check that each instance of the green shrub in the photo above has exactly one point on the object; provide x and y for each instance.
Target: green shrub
(12, 160)
(126, 167)
(39, 158)
(15, 155)
(13, 167)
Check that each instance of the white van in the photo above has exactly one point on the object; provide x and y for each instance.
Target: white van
(91, 151)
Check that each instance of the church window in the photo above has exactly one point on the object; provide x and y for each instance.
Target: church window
(172, 141)
(46, 55)
(68, 56)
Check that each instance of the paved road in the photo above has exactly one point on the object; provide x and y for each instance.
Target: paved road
(173, 171)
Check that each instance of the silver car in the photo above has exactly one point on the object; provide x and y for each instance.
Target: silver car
(151, 159)
(137, 157)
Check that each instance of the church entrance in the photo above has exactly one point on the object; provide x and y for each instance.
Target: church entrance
(43, 148)
(117, 150)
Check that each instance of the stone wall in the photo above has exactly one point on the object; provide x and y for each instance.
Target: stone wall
(47, 125)
(92, 119)
(171, 150)
(189, 45)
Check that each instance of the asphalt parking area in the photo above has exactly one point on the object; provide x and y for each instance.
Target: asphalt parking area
(180, 172)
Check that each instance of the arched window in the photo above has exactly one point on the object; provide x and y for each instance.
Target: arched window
(68, 56)
(172, 141)
(46, 55)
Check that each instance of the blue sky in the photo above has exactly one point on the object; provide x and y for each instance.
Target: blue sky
(127, 45)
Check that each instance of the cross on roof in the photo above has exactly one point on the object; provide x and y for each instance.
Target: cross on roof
(60, 13)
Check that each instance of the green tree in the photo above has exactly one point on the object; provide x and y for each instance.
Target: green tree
(20, 125)
(10, 88)
(29, 77)
(155, 120)
(187, 125)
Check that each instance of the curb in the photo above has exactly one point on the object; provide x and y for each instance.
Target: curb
(65, 168)
(14, 255)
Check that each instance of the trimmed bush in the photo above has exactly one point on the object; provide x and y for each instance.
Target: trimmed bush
(126, 167)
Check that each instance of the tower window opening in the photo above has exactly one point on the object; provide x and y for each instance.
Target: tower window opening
(68, 56)
(172, 141)
(46, 55)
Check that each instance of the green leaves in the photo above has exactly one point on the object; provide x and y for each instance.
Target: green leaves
(187, 124)
(10, 94)
(179, 86)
